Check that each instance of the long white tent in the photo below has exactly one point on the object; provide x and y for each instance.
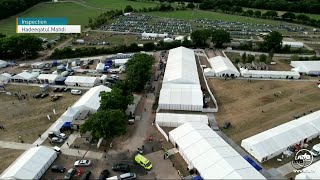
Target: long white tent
(24, 76)
(310, 172)
(91, 99)
(32, 164)
(70, 115)
(273, 142)
(81, 81)
(175, 120)
(222, 66)
(181, 67)
(48, 78)
(269, 74)
(204, 150)
(307, 67)
(5, 77)
(293, 44)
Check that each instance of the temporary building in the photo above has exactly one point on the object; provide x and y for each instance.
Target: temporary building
(103, 78)
(38, 65)
(4, 78)
(167, 39)
(57, 125)
(175, 120)
(310, 172)
(91, 99)
(181, 67)
(24, 76)
(222, 67)
(269, 74)
(293, 44)
(273, 142)
(204, 150)
(3, 64)
(48, 78)
(100, 67)
(179, 38)
(306, 67)
(120, 62)
(32, 164)
(188, 97)
(81, 81)
(208, 72)
(70, 115)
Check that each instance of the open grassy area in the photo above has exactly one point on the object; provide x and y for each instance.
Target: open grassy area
(28, 118)
(242, 102)
(7, 157)
(117, 4)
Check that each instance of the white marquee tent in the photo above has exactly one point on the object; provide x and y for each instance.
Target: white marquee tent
(3, 64)
(269, 74)
(100, 67)
(48, 78)
(70, 115)
(32, 164)
(307, 67)
(5, 77)
(310, 172)
(208, 72)
(81, 81)
(204, 150)
(222, 66)
(273, 142)
(293, 44)
(57, 125)
(154, 35)
(181, 67)
(175, 120)
(90, 100)
(25, 76)
(120, 62)
(187, 97)
(167, 39)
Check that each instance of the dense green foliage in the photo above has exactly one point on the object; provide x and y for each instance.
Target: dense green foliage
(139, 71)
(19, 46)
(219, 37)
(272, 41)
(116, 99)
(200, 37)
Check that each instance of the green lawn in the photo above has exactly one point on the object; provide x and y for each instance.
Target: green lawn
(197, 14)
(117, 4)
(75, 13)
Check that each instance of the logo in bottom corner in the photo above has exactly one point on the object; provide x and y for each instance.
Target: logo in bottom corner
(302, 159)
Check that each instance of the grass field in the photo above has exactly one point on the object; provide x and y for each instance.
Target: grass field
(242, 102)
(28, 118)
(117, 4)
(8, 156)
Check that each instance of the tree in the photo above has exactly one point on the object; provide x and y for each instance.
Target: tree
(116, 99)
(251, 58)
(302, 18)
(128, 8)
(105, 124)
(244, 57)
(191, 6)
(257, 14)
(249, 12)
(237, 60)
(2, 35)
(271, 54)
(263, 58)
(271, 14)
(149, 46)
(139, 70)
(273, 41)
(199, 37)
(288, 16)
(219, 37)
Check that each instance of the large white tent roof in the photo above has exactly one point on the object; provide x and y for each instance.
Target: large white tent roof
(24, 76)
(70, 114)
(246, 72)
(206, 151)
(175, 120)
(3, 63)
(91, 99)
(181, 67)
(222, 64)
(276, 140)
(306, 66)
(81, 79)
(31, 164)
(50, 77)
(310, 172)
(293, 44)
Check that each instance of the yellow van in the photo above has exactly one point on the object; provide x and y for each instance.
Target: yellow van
(144, 162)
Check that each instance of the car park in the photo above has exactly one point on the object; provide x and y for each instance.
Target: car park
(86, 175)
(104, 174)
(76, 92)
(44, 95)
(71, 172)
(121, 167)
(128, 176)
(82, 163)
(58, 168)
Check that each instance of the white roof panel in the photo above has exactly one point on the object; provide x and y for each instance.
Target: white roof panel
(81, 79)
(223, 64)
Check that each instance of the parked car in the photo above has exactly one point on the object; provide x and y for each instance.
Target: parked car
(57, 149)
(128, 176)
(71, 172)
(86, 175)
(142, 161)
(114, 76)
(44, 95)
(82, 163)
(121, 167)
(52, 134)
(56, 140)
(56, 90)
(61, 90)
(37, 95)
(315, 151)
(76, 92)
(54, 98)
(58, 168)
(104, 174)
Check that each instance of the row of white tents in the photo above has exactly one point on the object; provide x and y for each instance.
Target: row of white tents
(269, 74)
(275, 141)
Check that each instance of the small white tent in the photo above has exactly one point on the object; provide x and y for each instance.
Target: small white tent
(84, 81)
(32, 164)
(222, 66)
(167, 40)
(120, 62)
(100, 67)
(5, 77)
(48, 78)
(3, 64)
(175, 120)
(70, 115)
(24, 76)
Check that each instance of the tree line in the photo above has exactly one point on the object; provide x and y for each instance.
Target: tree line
(111, 121)
(11, 7)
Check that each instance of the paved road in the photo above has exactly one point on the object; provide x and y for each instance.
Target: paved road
(54, 86)
(264, 79)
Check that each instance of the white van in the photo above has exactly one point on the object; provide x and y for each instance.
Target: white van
(75, 91)
(57, 149)
(315, 151)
